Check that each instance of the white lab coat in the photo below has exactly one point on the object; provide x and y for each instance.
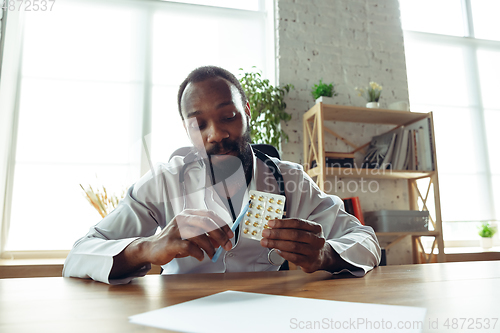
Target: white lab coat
(144, 209)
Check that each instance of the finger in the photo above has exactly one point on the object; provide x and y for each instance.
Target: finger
(209, 227)
(189, 231)
(289, 246)
(296, 235)
(228, 246)
(295, 258)
(214, 242)
(220, 238)
(223, 234)
(216, 219)
(186, 249)
(193, 226)
(202, 223)
(196, 236)
(296, 224)
(204, 243)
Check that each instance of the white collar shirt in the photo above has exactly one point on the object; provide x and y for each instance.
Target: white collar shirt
(146, 208)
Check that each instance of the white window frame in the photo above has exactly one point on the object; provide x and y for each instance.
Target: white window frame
(472, 44)
(10, 70)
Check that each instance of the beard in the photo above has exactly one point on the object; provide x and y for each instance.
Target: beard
(229, 165)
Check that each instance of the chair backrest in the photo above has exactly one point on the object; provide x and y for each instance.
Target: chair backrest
(268, 150)
(265, 148)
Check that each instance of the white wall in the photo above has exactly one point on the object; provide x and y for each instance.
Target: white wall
(350, 43)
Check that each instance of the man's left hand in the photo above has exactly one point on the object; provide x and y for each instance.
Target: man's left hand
(300, 242)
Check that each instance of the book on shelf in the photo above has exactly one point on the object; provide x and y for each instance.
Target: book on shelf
(422, 156)
(407, 153)
(414, 153)
(398, 146)
(403, 148)
(387, 162)
(353, 207)
(400, 160)
(380, 151)
(337, 160)
(423, 127)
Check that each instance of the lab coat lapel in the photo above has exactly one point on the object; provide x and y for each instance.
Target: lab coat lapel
(214, 203)
(195, 193)
(218, 203)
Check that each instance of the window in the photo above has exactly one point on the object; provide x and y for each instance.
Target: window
(95, 78)
(453, 71)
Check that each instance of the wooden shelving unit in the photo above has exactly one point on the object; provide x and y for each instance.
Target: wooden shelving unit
(314, 150)
(369, 173)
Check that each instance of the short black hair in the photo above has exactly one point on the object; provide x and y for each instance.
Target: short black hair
(207, 72)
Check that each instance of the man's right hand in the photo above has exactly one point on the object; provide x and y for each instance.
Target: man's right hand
(190, 233)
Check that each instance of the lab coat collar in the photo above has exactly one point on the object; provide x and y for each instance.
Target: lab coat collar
(212, 199)
(253, 181)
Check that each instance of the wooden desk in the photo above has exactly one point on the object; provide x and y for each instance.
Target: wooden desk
(448, 290)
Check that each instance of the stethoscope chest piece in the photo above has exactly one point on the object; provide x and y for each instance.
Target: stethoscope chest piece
(274, 258)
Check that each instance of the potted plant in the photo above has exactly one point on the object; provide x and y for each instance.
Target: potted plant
(323, 93)
(267, 108)
(103, 202)
(486, 231)
(371, 94)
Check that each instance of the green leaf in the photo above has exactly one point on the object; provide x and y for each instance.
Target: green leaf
(323, 89)
(267, 108)
(486, 230)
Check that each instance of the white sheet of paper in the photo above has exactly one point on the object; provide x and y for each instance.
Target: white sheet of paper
(234, 311)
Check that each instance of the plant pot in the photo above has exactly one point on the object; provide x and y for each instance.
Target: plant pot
(325, 100)
(486, 242)
(401, 106)
(372, 105)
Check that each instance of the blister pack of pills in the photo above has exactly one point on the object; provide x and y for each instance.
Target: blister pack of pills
(263, 208)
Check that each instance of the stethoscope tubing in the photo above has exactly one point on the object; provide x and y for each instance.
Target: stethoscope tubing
(272, 256)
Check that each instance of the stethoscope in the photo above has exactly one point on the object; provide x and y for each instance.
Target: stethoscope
(272, 256)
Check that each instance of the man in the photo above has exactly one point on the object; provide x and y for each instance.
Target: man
(194, 199)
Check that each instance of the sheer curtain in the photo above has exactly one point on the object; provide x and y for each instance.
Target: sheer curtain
(453, 70)
(95, 78)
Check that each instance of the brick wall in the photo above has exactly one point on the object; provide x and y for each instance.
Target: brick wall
(350, 43)
(1, 31)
